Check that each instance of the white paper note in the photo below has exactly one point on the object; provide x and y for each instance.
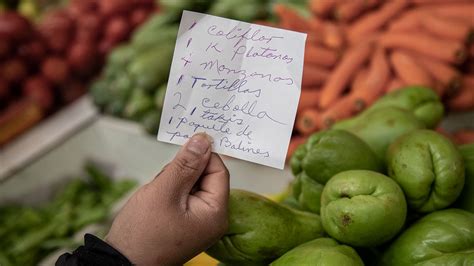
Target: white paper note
(238, 82)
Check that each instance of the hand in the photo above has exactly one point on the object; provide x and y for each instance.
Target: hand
(179, 214)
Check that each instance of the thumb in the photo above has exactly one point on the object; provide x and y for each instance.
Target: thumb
(179, 176)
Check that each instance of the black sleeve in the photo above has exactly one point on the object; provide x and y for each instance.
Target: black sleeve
(94, 252)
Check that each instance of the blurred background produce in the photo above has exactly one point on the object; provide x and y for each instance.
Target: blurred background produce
(28, 234)
(49, 59)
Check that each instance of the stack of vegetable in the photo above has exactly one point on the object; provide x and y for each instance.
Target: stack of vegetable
(133, 83)
(28, 234)
(381, 188)
(359, 50)
(50, 64)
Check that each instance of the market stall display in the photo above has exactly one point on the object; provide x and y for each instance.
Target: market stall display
(359, 50)
(29, 234)
(51, 61)
(399, 214)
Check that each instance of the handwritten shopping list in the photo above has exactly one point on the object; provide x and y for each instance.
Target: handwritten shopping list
(238, 82)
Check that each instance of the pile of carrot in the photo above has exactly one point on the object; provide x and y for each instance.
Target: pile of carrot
(358, 50)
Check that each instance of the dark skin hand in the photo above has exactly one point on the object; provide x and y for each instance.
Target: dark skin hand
(179, 214)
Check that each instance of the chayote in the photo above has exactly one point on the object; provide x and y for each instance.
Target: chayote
(322, 252)
(329, 152)
(379, 127)
(428, 167)
(362, 208)
(440, 238)
(465, 201)
(261, 230)
(423, 102)
(307, 193)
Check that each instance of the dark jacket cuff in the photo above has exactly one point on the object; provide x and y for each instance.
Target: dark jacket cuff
(94, 252)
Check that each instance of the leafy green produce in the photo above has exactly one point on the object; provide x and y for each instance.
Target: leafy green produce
(440, 238)
(27, 234)
(321, 251)
(261, 230)
(428, 167)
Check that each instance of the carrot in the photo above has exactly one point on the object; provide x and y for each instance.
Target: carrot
(409, 70)
(393, 85)
(375, 20)
(343, 108)
(340, 77)
(462, 11)
(333, 36)
(320, 56)
(445, 74)
(431, 2)
(446, 27)
(445, 50)
(290, 19)
(359, 79)
(348, 10)
(464, 136)
(407, 21)
(308, 99)
(308, 121)
(295, 142)
(373, 86)
(314, 75)
(322, 7)
(464, 100)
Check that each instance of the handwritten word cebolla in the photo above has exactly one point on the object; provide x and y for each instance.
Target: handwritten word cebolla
(238, 82)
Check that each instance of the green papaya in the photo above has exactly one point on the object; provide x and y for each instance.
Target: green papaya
(261, 230)
(423, 102)
(321, 251)
(362, 208)
(428, 167)
(443, 237)
(381, 126)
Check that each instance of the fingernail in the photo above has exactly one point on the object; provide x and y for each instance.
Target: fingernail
(199, 143)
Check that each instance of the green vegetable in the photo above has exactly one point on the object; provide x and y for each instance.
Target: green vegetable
(160, 96)
(151, 121)
(139, 104)
(428, 167)
(440, 238)
(322, 251)
(381, 126)
(151, 68)
(261, 230)
(466, 199)
(121, 55)
(28, 234)
(362, 208)
(423, 102)
(329, 152)
(307, 193)
(246, 10)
